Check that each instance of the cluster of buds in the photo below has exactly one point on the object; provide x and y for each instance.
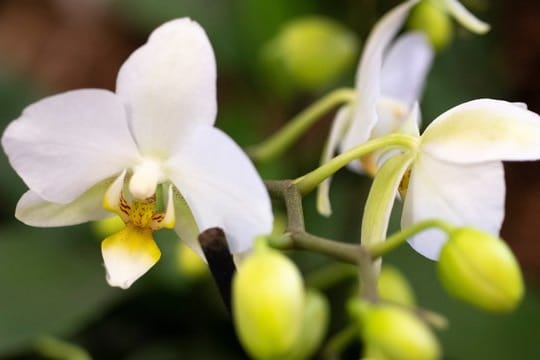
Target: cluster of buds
(275, 317)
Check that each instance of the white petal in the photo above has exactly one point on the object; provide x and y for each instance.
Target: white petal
(221, 187)
(391, 114)
(411, 125)
(112, 197)
(129, 254)
(521, 105)
(169, 85)
(339, 125)
(64, 144)
(466, 194)
(465, 17)
(484, 130)
(405, 68)
(34, 211)
(369, 73)
(169, 219)
(391, 117)
(185, 224)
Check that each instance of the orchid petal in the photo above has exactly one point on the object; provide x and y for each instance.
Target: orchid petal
(112, 198)
(465, 17)
(405, 68)
(34, 211)
(169, 218)
(221, 187)
(185, 224)
(483, 130)
(393, 116)
(64, 144)
(128, 255)
(341, 121)
(412, 123)
(169, 85)
(369, 73)
(468, 194)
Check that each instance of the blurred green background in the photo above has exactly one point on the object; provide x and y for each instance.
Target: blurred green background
(52, 281)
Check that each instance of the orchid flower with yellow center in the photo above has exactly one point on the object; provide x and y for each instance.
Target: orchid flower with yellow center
(452, 172)
(90, 153)
(389, 81)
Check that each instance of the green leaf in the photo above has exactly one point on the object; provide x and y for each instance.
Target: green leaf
(52, 282)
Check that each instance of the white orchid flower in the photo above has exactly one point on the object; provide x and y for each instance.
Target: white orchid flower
(455, 173)
(389, 80)
(87, 153)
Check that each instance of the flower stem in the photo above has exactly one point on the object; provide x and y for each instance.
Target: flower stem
(311, 180)
(280, 141)
(296, 237)
(301, 240)
(392, 242)
(339, 342)
(286, 190)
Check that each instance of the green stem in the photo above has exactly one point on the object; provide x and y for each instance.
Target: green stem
(280, 141)
(295, 211)
(392, 242)
(311, 180)
(368, 276)
(304, 241)
(339, 342)
(286, 190)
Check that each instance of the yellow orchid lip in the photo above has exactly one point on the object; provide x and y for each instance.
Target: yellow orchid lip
(132, 251)
(128, 255)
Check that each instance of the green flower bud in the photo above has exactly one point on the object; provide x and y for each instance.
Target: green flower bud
(268, 304)
(189, 263)
(434, 22)
(394, 287)
(480, 269)
(314, 326)
(313, 51)
(106, 227)
(393, 333)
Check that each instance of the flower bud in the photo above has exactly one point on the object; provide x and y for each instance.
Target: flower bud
(394, 287)
(393, 333)
(434, 22)
(189, 263)
(314, 325)
(107, 227)
(313, 51)
(480, 269)
(268, 304)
